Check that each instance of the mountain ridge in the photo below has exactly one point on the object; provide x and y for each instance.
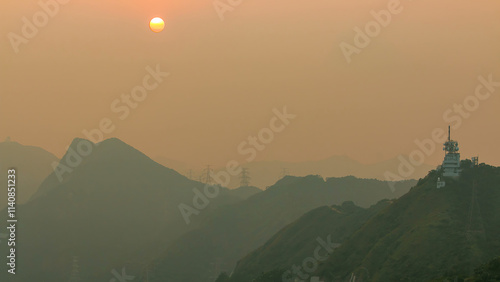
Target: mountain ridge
(417, 236)
(122, 204)
(33, 164)
(235, 230)
(266, 173)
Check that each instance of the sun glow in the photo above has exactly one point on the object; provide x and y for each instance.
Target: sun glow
(157, 24)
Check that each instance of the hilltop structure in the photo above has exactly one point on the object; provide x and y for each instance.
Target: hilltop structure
(440, 183)
(475, 161)
(451, 162)
(244, 178)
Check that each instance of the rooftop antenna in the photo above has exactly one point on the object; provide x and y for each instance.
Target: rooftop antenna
(449, 133)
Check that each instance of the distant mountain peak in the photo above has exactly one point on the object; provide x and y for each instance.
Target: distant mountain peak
(86, 148)
(77, 140)
(33, 162)
(107, 142)
(113, 141)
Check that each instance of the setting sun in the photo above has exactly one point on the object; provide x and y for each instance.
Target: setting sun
(157, 24)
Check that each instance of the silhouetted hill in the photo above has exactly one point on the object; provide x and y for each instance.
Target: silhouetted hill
(232, 232)
(116, 208)
(266, 173)
(427, 233)
(302, 238)
(245, 192)
(32, 164)
(488, 272)
(179, 166)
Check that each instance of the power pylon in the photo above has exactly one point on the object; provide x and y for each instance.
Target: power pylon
(75, 271)
(190, 174)
(475, 222)
(284, 172)
(244, 177)
(145, 268)
(219, 267)
(207, 179)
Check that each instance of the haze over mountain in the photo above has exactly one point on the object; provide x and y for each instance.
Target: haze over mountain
(110, 206)
(266, 173)
(429, 234)
(116, 208)
(228, 75)
(233, 231)
(245, 192)
(322, 101)
(32, 164)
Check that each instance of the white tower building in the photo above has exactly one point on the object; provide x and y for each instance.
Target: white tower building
(451, 162)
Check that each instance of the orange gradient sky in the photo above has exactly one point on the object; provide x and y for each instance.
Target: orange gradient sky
(227, 76)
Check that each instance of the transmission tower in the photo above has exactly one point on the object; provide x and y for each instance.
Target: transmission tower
(284, 172)
(244, 177)
(207, 179)
(146, 268)
(219, 267)
(475, 223)
(75, 271)
(475, 161)
(190, 174)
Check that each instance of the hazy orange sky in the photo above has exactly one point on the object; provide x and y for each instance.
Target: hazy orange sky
(227, 76)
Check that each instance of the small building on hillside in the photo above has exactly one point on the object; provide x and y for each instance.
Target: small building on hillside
(440, 183)
(451, 162)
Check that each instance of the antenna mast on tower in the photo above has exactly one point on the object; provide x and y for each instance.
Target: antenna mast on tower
(451, 162)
